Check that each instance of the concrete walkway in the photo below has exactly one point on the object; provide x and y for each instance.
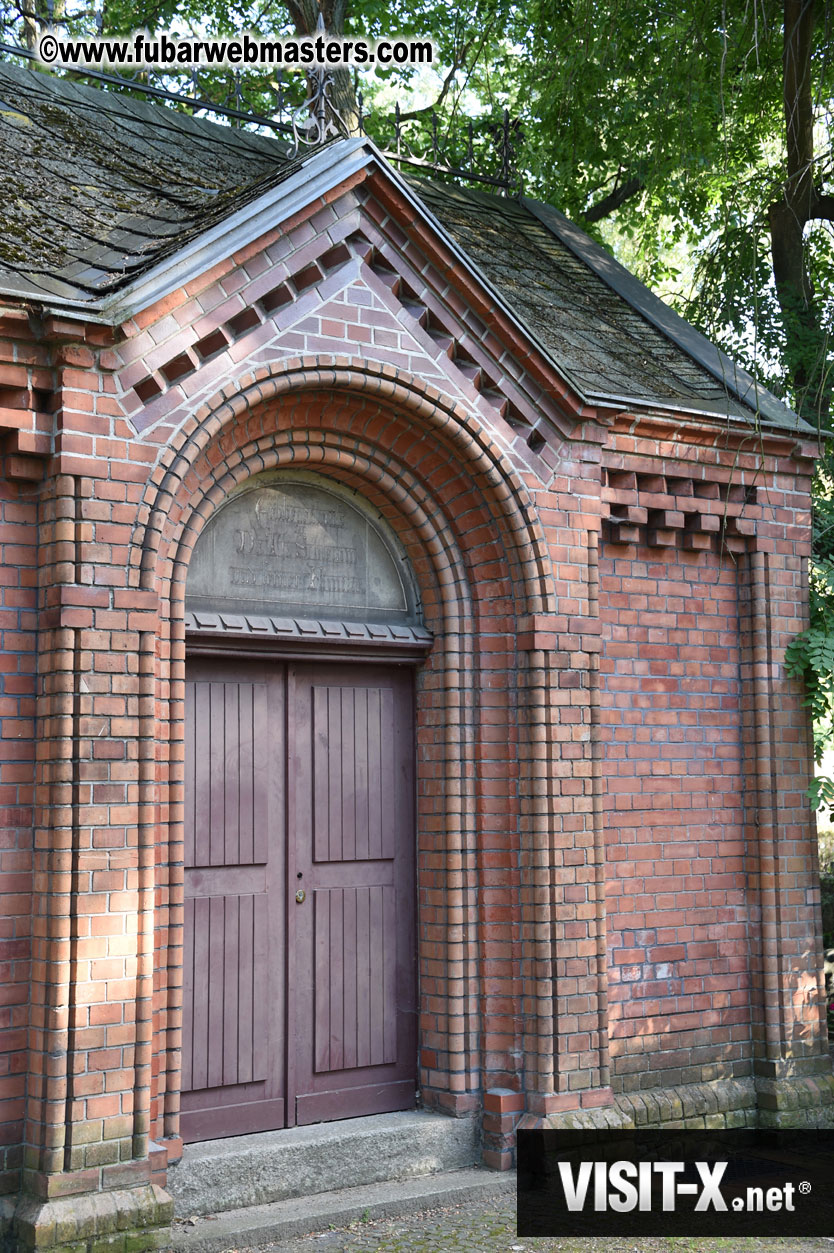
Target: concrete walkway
(488, 1226)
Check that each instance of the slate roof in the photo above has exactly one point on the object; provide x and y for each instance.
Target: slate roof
(100, 187)
(604, 343)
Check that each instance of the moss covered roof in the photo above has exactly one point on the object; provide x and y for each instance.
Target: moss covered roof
(100, 187)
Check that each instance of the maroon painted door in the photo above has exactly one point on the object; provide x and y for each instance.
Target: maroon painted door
(235, 869)
(351, 975)
(300, 996)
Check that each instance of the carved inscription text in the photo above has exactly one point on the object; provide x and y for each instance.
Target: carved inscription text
(294, 545)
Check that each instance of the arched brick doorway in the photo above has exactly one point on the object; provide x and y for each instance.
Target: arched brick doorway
(466, 525)
(300, 981)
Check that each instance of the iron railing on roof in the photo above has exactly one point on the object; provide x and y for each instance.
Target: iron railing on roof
(485, 151)
(458, 154)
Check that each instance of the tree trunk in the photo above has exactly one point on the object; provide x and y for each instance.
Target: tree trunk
(788, 217)
(31, 28)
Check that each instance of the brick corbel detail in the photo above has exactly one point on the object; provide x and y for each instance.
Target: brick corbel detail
(669, 510)
(540, 631)
(558, 632)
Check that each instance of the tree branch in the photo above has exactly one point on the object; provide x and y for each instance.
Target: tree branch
(823, 207)
(614, 200)
(444, 91)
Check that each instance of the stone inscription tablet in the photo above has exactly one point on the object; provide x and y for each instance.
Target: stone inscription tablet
(295, 548)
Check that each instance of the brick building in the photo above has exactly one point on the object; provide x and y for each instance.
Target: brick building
(394, 600)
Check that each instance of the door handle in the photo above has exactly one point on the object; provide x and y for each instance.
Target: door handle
(300, 896)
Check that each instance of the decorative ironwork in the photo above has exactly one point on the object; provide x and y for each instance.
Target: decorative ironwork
(439, 157)
(317, 120)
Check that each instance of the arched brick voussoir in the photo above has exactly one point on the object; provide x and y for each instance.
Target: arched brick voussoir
(408, 507)
(459, 434)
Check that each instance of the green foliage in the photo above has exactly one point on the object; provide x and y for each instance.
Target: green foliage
(810, 656)
(683, 101)
(826, 854)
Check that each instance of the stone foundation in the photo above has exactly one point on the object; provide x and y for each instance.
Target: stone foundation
(122, 1221)
(787, 1101)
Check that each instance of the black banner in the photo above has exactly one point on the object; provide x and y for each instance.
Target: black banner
(676, 1183)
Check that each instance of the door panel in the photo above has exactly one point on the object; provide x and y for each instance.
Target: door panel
(299, 779)
(352, 992)
(352, 773)
(233, 1038)
(354, 977)
(227, 756)
(229, 1021)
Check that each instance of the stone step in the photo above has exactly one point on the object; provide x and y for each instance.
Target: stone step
(282, 1220)
(270, 1166)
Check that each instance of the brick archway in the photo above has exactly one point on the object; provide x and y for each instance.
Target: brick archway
(469, 527)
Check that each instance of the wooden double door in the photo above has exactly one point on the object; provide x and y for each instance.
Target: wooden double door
(299, 963)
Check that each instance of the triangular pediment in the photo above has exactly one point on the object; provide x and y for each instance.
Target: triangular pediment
(357, 285)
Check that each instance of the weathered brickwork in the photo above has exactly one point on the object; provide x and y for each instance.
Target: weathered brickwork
(18, 537)
(614, 851)
(676, 893)
(24, 383)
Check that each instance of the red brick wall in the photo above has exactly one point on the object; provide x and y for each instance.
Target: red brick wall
(25, 382)
(679, 983)
(18, 592)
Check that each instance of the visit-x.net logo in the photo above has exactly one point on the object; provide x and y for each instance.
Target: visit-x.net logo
(693, 1183)
(625, 1186)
